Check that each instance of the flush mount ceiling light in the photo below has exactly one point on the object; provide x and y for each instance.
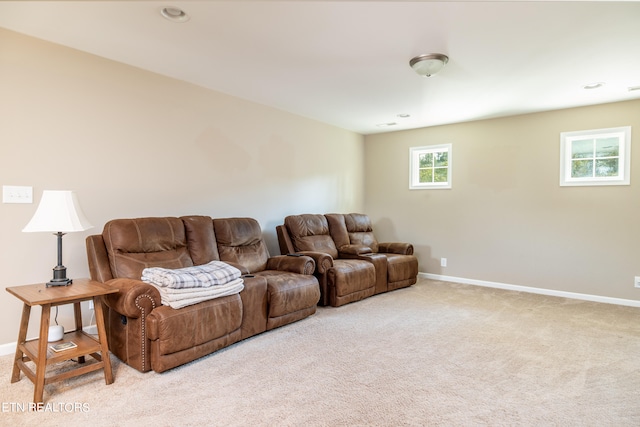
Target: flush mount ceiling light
(174, 14)
(429, 64)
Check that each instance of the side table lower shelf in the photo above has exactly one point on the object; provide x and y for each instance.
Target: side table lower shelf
(86, 346)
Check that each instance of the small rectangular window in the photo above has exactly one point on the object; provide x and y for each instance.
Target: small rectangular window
(595, 157)
(430, 167)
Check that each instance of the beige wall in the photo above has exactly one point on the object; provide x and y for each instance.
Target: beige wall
(132, 143)
(506, 219)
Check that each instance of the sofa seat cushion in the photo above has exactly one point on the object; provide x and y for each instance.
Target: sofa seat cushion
(194, 325)
(290, 292)
(349, 276)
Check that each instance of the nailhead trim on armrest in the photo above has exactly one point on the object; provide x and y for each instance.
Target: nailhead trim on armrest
(143, 341)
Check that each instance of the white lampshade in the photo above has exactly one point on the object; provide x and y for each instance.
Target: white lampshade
(58, 211)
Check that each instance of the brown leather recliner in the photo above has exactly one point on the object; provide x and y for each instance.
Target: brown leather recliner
(355, 229)
(148, 335)
(342, 280)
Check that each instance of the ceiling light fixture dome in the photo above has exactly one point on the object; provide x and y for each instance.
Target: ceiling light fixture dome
(428, 64)
(174, 14)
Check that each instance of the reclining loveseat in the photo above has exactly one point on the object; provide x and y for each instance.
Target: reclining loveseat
(145, 334)
(350, 263)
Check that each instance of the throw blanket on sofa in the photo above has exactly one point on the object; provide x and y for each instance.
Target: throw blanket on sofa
(214, 273)
(178, 298)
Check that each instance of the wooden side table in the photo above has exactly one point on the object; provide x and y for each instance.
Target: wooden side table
(38, 351)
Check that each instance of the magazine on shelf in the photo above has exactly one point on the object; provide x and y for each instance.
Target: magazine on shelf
(63, 346)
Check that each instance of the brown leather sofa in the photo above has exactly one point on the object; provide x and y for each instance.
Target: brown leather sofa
(148, 335)
(334, 240)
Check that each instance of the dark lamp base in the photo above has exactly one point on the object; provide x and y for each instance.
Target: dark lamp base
(59, 282)
(59, 276)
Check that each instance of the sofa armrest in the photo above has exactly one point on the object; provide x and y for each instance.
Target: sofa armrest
(134, 298)
(395, 248)
(293, 263)
(323, 261)
(350, 251)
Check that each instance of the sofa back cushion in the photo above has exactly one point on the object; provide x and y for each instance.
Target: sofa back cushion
(310, 232)
(240, 241)
(135, 244)
(201, 239)
(338, 230)
(360, 230)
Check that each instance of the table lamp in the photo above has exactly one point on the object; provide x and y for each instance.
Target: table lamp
(58, 212)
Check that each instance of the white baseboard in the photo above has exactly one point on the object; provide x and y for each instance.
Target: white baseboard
(551, 292)
(10, 348)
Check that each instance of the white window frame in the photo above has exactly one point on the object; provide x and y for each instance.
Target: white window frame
(624, 156)
(414, 167)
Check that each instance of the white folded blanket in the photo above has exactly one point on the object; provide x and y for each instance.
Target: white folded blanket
(178, 298)
(214, 273)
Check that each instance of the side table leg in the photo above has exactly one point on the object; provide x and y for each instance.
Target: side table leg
(77, 311)
(22, 337)
(41, 362)
(102, 336)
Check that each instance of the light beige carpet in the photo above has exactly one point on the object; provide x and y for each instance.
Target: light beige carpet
(434, 354)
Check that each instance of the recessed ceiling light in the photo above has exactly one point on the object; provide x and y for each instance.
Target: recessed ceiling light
(174, 14)
(632, 88)
(386, 125)
(594, 85)
(404, 116)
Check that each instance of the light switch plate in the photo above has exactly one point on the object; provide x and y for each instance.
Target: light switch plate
(17, 194)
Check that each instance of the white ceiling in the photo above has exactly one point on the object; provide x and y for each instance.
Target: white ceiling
(346, 63)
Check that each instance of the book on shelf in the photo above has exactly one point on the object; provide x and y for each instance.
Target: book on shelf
(63, 346)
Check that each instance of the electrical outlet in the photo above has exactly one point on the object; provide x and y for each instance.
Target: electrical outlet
(636, 282)
(443, 262)
(90, 304)
(17, 194)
